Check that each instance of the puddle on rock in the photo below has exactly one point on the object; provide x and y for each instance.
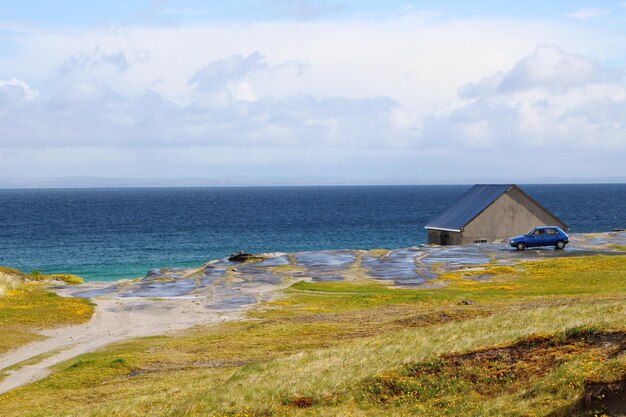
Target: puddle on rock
(223, 282)
(452, 257)
(214, 272)
(149, 289)
(99, 292)
(398, 265)
(232, 302)
(325, 261)
(274, 261)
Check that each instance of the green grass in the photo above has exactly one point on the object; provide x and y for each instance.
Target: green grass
(365, 349)
(557, 277)
(451, 383)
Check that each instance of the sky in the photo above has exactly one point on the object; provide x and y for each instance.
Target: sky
(418, 91)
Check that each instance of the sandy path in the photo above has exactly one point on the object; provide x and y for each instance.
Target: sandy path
(220, 291)
(114, 320)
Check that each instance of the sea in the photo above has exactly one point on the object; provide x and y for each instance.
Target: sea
(113, 233)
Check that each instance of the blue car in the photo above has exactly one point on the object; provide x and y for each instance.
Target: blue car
(541, 236)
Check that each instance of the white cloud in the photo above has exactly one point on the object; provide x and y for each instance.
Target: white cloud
(242, 91)
(410, 86)
(84, 60)
(14, 92)
(550, 101)
(584, 14)
(90, 115)
(549, 68)
(408, 59)
(233, 68)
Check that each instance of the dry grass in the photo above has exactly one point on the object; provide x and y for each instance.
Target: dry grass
(10, 279)
(491, 372)
(305, 380)
(8, 283)
(26, 307)
(54, 278)
(529, 345)
(377, 252)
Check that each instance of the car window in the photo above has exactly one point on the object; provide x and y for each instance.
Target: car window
(552, 232)
(538, 232)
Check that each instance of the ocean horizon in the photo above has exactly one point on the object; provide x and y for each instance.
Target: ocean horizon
(113, 233)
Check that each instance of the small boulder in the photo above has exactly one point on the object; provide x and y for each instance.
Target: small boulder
(465, 303)
(241, 256)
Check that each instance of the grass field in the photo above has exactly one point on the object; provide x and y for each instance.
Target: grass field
(540, 338)
(26, 307)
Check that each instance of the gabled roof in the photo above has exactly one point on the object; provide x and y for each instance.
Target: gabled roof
(470, 205)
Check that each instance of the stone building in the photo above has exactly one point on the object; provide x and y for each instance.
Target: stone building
(487, 214)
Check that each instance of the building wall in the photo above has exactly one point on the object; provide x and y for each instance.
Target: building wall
(441, 237)
(547, 218)
(512, 214)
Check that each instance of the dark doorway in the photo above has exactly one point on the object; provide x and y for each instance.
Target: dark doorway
(445, 239)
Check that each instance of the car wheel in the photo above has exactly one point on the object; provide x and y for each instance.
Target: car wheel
(521, 246)
(560, 244)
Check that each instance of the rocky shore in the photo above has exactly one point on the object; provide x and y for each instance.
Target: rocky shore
(168, 299)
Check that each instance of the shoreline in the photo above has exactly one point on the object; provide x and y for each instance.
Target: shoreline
(171, 299)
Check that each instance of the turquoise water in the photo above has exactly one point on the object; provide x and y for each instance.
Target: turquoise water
(107, 234)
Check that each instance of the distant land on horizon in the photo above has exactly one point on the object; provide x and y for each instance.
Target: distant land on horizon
(100, 182)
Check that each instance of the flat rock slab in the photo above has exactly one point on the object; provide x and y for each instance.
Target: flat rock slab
(175, 298)
(409, 266)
